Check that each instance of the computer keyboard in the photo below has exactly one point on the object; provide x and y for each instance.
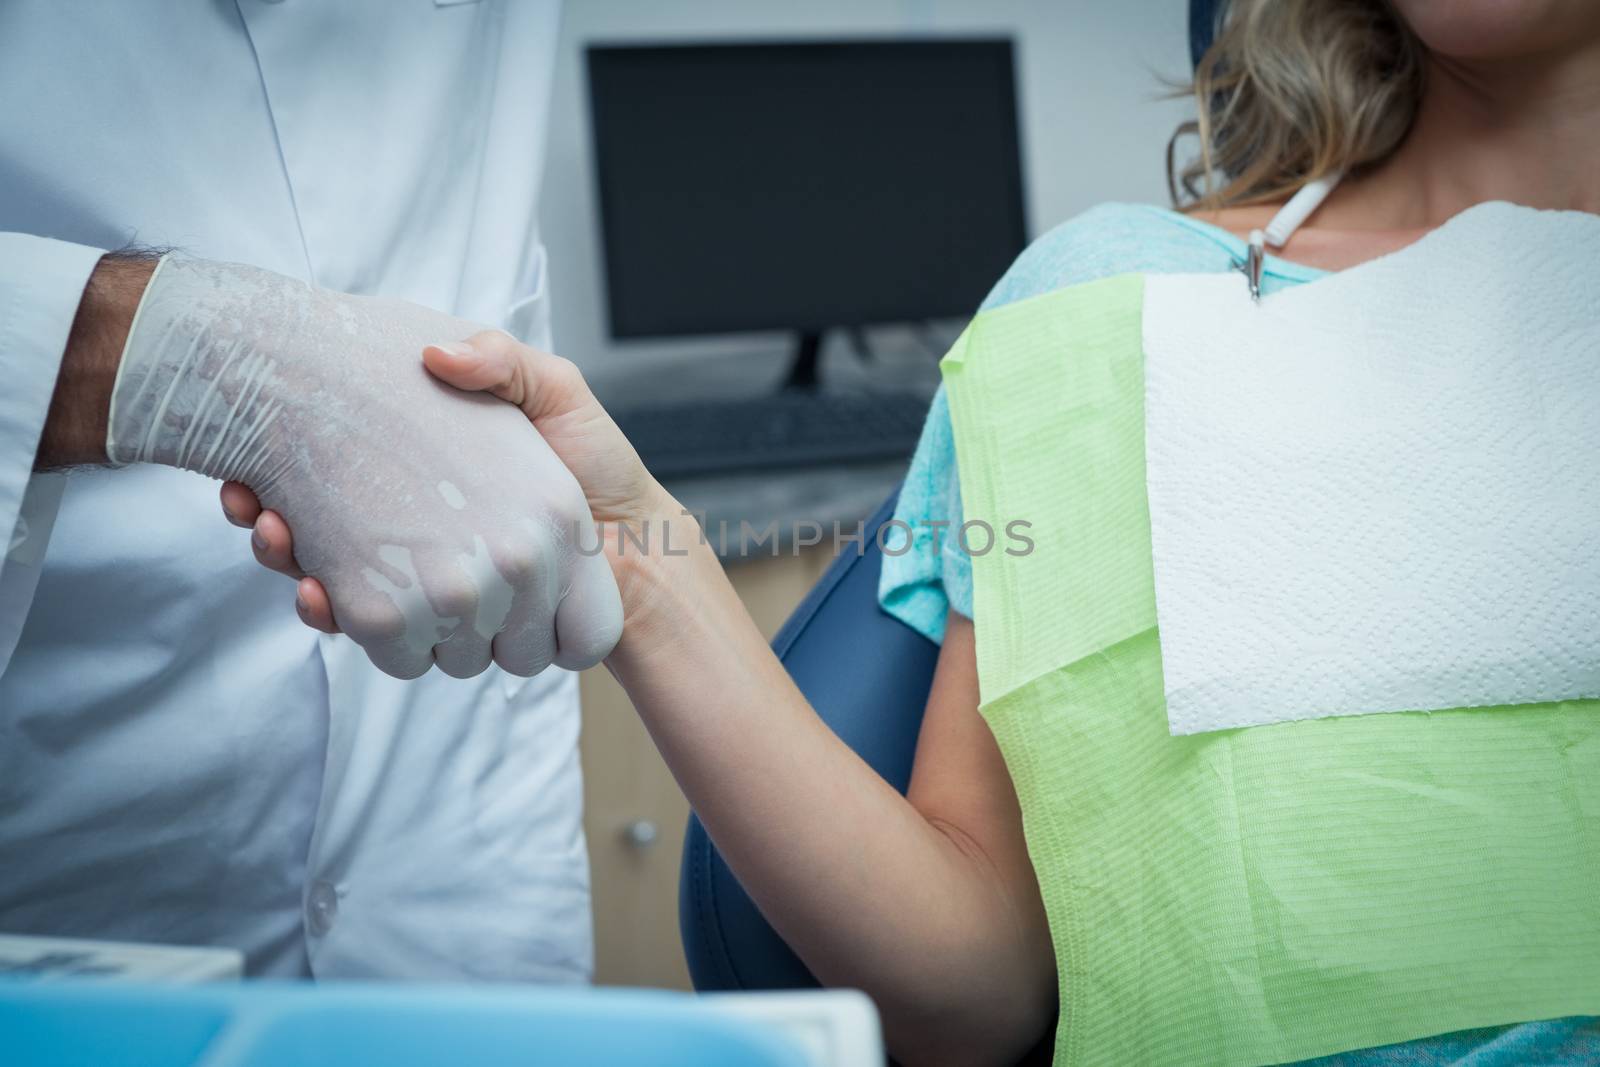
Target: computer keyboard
(790, 428)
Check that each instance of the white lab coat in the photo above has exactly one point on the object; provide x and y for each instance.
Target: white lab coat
(180, 759)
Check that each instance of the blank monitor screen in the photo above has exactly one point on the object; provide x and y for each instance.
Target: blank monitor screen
(804, 186)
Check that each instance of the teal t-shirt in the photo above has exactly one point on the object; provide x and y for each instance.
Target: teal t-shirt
(920, 585)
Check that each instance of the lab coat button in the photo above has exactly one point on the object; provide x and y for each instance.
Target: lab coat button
(322, 907)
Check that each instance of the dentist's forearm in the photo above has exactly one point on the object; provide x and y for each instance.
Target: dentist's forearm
(868, 891)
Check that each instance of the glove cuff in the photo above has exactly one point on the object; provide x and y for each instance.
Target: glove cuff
(129, 446)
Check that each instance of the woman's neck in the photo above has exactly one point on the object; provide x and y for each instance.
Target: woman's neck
(1527, 131)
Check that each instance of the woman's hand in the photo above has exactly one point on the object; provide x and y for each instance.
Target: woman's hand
(553, 395)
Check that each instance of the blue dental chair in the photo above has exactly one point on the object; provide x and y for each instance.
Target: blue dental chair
(868, 676)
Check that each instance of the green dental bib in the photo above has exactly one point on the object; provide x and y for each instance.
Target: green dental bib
(1248, 896)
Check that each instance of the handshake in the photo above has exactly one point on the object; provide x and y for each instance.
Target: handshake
(434, 520)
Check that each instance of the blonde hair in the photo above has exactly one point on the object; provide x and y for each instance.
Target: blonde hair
(1291, 90)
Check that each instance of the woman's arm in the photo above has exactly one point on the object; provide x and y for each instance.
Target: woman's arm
(927, 902)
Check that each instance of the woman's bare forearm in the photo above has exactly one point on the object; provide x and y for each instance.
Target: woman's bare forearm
(868, 891)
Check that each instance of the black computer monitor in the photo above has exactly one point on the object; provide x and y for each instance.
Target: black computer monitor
(804, 186)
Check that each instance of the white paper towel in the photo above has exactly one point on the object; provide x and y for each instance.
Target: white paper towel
(1380, 491)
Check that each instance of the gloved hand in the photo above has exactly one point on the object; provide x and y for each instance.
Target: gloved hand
(440, 523)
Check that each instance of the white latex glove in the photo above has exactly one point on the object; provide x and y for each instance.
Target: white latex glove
(441, 524)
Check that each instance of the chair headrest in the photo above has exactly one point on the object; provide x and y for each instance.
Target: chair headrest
(1203, 18)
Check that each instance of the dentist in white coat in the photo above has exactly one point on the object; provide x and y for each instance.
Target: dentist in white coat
(181, 760)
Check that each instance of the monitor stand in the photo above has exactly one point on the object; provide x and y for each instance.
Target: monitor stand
(805, 370)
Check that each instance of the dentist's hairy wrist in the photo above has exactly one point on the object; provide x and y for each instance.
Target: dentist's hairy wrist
(75, 427)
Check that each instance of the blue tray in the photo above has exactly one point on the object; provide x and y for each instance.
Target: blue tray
(66, 1024)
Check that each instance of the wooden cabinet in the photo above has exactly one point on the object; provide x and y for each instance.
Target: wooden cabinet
(635, 814)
